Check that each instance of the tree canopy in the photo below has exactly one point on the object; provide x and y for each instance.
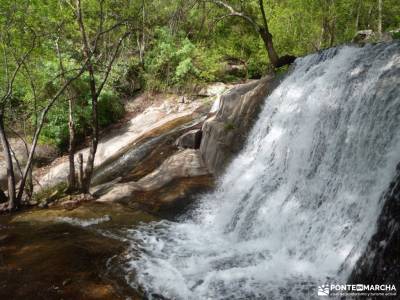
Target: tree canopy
(105, 50)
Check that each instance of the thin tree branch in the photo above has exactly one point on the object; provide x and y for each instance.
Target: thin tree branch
(110, 64)
(235, 13)
(40, 126)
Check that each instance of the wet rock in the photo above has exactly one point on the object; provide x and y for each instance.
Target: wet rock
(185, 164)
(225, 133)
(4, 238)
(66, 281)
(173, 198)
(190, 140)
(144, 156)
(380, 263)
(38, 261)
(72, 202)
(102, 189)
(43, 205)
(364, 36)
(152, 122)
(33, 203)
(386, 37)
(3, 197)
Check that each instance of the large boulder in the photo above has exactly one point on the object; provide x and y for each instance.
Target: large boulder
(144, 129)
(184, 164)
(380, 263)
(44, 154)
(225, 133)
(364, 36)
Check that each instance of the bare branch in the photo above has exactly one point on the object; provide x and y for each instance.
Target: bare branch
(111, 62)
(41, 124)
(20, 62)
(235, 13)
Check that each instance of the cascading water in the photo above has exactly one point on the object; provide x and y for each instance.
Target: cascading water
(296, 208)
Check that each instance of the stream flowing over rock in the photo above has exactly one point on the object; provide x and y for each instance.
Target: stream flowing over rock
(380, 262)
(300, 203)
(187, 163)
(119, 151)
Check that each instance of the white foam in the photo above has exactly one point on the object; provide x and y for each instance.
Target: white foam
(84, 222)
(300, 200)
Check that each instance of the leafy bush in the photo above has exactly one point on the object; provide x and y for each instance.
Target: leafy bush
(174, 61)
(55, 131)
(110, 108)
(396, 35)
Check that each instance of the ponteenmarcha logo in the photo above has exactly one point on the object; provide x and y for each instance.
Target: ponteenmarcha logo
(371, 290)
(323, 290)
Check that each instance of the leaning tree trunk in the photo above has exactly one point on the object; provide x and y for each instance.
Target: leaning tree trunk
(71, 127)
(269, 46)
(266, 36)
(263, 30)
(87, 178)
(71, 147)
(13, 203)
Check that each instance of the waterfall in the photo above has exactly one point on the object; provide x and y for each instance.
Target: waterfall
(297, 207)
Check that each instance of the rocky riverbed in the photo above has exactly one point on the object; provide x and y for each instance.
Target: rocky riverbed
(153, 166)
(63, 254)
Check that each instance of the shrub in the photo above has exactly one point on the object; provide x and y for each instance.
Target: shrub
(175, 62)
(55, 131)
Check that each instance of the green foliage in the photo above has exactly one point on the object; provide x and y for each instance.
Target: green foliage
(396, 35)
(174, 61)
(174, 45)
(110, 110)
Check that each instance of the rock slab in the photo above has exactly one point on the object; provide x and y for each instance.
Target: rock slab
(185, 164)
(225, 133)
(190, 139)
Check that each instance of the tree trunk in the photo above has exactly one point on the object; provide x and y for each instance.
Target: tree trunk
(358, 15)
(380, 18)
(29, 185)
(142, 44)
(71, 147)
(80, 171)
(267, 37)
(87, 178)
(71, 127)
(269, 46)
(12, 199)
(332, 32)
(95, 91)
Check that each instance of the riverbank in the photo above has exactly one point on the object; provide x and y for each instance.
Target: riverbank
(63, 254)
